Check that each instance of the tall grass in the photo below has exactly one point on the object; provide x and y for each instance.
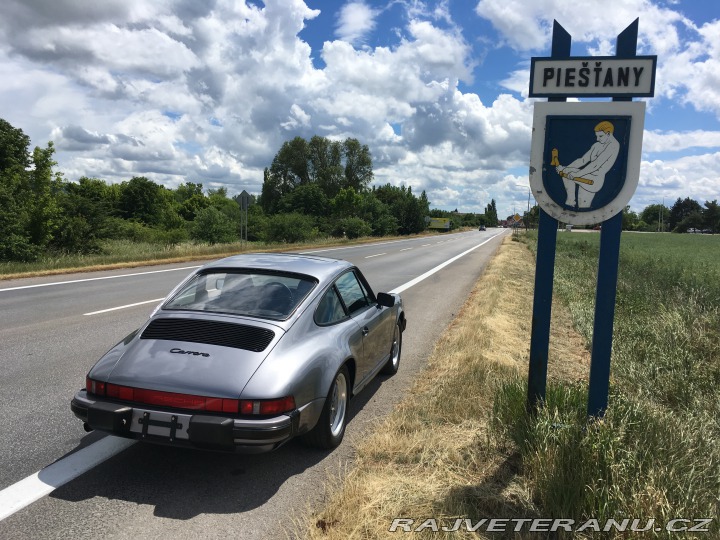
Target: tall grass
(656, 453)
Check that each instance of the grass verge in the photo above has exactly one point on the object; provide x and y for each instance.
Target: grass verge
(461, 446)
(436, 455)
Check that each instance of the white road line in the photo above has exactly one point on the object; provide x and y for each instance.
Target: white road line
(366, 245)
(429, 273)
(354, 247)
(426, 245)
(123, 307)
(377, 255)
(45, 481)
(406, 249)
(97, 278)
(34, 487)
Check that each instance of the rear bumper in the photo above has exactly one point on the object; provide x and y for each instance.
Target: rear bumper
(178, 428)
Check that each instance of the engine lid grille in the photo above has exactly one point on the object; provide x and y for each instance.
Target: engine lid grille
(238, 336)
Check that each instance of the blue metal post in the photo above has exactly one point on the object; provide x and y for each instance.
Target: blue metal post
(604, 316)
(542, 308)
(607, 278)
(544, 272)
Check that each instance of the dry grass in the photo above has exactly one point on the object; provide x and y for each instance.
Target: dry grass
(434, 455)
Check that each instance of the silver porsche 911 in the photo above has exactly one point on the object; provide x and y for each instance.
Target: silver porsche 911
(247, 353)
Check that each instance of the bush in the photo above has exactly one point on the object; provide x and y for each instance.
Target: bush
(76, 235)
(290, 228)
(352, 227)
(14, 247)
(385, 225)
(172, 237)
(214, 227)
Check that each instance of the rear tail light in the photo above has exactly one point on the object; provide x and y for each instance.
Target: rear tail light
(189, 401)
(267, 406)
(94, 387)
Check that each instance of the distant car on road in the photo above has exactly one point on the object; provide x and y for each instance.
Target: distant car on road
(247, 353)
(481, 228)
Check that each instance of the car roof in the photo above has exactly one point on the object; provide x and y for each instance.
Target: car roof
(321, 268)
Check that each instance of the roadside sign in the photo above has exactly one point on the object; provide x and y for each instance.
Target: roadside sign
(593, 76)
(585, 158)
(244, 200)
(439, 223)
(584, 168)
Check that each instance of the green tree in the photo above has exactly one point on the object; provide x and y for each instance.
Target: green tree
(409, 210)
(219, 199)
(14, 146)
(655, 214)
(377, 214)
(694, 220)
(192, 205)
(44, 184)
(214, 227)
(711, 216)
(358, 165)
(681, 210)
(257, 223)
(187, 191)
(15, 243)
(352, 227)
(491, 216)
(629, 219)
(329, 164)
(325, 165)
(141, 199)
(532, 218)
(86, 207)
(29, 215)
(307, 199)
(290, 228)
(346, 203)
(288, 170)
(271, 193)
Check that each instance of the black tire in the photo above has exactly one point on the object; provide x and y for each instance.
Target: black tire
(393, 363)
(330, 429)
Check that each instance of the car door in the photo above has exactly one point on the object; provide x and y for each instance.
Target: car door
(375, 321)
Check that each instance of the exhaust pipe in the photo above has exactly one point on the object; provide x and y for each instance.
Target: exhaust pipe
(87, 427)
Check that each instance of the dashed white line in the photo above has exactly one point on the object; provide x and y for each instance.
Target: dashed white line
(376, 255)
(123, 307)
(406, 249)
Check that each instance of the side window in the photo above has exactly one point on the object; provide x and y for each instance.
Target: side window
(352, 292)
(330, 309)
(365, 287)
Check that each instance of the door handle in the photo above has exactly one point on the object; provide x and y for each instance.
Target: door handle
(365, 331)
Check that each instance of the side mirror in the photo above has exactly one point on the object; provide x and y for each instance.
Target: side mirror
(385, 299)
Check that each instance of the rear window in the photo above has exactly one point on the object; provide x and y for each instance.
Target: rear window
(256, 294)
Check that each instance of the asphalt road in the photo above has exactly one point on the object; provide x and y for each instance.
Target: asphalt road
(52, 330)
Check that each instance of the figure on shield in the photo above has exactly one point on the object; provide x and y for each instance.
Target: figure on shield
(585, 176)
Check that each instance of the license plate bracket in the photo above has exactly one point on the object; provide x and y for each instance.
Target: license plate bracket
(172, 423)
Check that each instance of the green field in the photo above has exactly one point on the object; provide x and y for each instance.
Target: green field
(656, 454)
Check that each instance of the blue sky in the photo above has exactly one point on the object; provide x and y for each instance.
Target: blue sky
(178, 90)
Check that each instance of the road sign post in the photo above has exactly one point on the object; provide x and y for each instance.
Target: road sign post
(544, 270)
(244, 200)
